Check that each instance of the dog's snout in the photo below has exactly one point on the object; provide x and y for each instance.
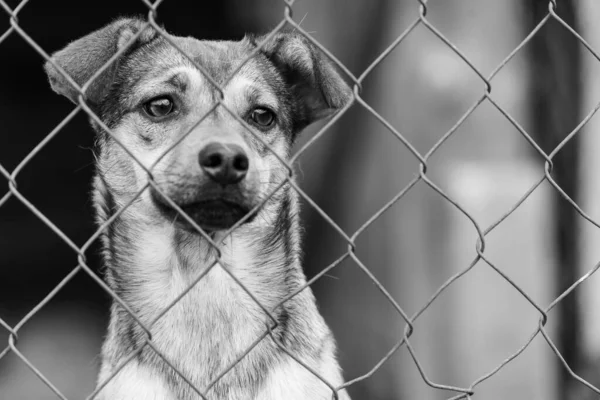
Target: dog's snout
(224, 163)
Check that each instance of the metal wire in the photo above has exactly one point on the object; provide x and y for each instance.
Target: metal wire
(421, 179)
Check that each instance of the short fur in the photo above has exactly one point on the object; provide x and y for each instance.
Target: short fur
(152, 255)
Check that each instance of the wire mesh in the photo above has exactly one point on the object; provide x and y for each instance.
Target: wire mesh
(357, 101)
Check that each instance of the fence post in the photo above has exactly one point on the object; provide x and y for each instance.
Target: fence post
(555, 104)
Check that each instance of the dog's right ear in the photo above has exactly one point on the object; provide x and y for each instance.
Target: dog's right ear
(316, 85)
(82, 58)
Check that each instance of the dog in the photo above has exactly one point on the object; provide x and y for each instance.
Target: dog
(221, 173)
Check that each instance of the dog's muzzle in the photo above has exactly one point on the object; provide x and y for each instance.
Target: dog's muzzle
(221, 197)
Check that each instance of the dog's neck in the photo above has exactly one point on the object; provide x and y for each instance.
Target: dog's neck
(149, 264)
(143, 256)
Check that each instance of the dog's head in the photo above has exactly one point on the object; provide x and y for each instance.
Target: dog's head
(152, 98)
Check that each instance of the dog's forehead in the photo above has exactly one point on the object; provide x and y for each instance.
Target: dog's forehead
(218, 59)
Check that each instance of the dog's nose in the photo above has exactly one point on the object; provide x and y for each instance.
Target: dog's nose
(224, 163)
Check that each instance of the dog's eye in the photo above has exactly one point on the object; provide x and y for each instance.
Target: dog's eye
(262, 117)
(159, 107)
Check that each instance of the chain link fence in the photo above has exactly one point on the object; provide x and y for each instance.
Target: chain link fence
(288, 22)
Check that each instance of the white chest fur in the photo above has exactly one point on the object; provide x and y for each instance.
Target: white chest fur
(214, 323)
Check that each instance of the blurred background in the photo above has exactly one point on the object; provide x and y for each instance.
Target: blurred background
(423, 89)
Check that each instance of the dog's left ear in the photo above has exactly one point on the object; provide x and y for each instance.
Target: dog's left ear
(317, 88)
(83, 57)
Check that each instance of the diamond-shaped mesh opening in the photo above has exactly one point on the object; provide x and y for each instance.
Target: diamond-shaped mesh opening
(463, 92)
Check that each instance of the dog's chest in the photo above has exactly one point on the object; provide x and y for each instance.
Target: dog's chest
(215, 315)
(209, 329)
(217, 320)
